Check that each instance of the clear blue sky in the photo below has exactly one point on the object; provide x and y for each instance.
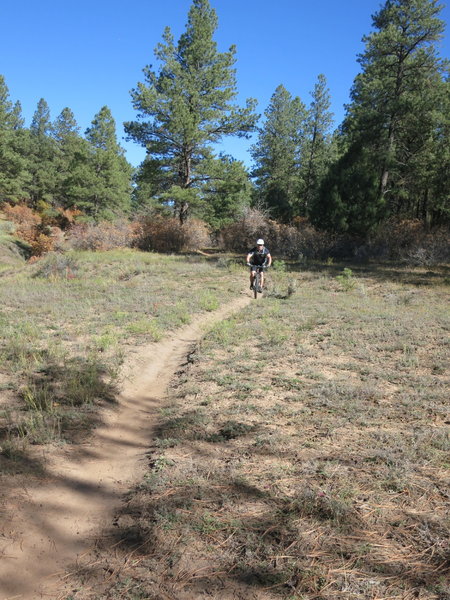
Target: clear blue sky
(85, 54)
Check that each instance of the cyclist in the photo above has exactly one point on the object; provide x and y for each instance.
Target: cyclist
(258, 258)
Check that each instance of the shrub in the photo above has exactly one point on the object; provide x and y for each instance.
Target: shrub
(410, 241)
(101, 236)
(21, 215)
(169, 235)
(346, 279)
(241, 234)
(57, 266)
(285, 240)
(25, 219)
(279, 265)
(30, 228)
(41, 244)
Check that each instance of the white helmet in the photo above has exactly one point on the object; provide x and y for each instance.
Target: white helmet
(260, 242)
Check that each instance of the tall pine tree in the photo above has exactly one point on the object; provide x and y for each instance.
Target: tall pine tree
(71, 149)
(104, 175)
(41, 158)
(187, 107)
(277, 154)
(227, 190)
(391, 123)
(317, 146)
(436, 205)
(14, 174)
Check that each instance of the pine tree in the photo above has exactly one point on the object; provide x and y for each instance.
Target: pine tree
(7, 118)
(17, 121)
(227, 190)
(187, 107)
(349, 199)
(14, 175)
(435, 174)
(277, 154)
(41, 125)
(70, 149)
(147, 188)
(391, 121)
(102, 133)
(65, 127)
(101, 176)
(317, 147)
(41, 155)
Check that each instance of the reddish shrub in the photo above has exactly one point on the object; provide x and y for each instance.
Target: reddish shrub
(25, 219)
(29, 227)
(41, 244)
(101, 236)
(169, 235)
(62, 218)
(284, 240)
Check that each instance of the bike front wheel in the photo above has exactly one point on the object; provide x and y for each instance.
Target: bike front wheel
(256, 284)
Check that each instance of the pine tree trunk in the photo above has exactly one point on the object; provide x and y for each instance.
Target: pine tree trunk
(309, 175)
(183, 212)
(385, 173)
(186, 182)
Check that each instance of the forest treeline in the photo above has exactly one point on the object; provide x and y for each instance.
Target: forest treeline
(388, 162)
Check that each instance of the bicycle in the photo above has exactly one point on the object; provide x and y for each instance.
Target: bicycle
(257, 289)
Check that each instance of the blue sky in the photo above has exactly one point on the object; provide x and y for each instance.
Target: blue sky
(87, 53)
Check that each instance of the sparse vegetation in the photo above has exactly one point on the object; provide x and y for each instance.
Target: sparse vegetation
(346, 279)
(303, 454)
(68, 320)
(12, 251)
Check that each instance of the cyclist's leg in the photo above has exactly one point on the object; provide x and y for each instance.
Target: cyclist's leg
(261, 279)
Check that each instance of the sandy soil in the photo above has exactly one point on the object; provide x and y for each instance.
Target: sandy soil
(46, 527)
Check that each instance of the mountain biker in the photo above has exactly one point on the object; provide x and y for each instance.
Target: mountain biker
(258, 257)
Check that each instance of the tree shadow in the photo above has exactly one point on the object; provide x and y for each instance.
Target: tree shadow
(57, 404)
(382, 271)
(17, 461)
(283, 544)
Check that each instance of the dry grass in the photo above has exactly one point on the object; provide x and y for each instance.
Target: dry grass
(67, 322)
(304, 454)
(11, 254)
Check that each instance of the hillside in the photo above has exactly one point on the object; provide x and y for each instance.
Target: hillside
(12, 252)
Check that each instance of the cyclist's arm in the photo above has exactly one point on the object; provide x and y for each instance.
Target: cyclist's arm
(269, 260)
(249, 256)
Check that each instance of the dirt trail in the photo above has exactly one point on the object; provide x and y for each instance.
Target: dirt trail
(43, 529)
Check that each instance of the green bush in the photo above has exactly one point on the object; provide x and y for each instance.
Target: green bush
(279, 265)
(346, 279)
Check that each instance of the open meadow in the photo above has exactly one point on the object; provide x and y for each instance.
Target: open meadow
(67, 324)
(303, 452)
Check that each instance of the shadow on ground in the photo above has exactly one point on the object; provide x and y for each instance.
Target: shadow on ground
(381, 271)
(185, 542)
(58, 404)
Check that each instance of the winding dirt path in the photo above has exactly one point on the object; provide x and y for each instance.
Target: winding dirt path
(43, 529)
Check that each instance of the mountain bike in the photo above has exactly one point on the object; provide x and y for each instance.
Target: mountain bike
(257, 289)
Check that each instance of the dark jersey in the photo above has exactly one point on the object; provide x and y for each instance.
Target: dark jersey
(259, 257)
